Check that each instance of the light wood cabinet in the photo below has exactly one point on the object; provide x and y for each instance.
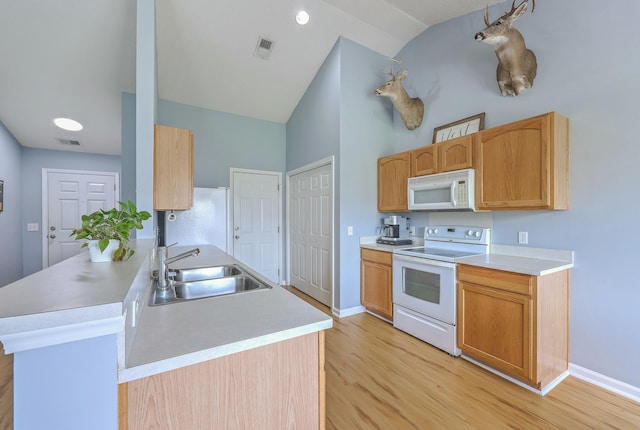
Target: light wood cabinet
(375, 282)
(524, 164)
(393, 174)
(515, 323)
(424, 161)
(454, 154)
(6, 391)
(276, 386)
(172, 168)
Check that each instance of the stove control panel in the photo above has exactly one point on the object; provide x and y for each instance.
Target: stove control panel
(457, 233)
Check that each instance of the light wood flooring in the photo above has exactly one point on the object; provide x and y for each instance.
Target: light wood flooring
(381, 378)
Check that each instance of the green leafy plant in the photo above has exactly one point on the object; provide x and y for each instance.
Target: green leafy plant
(115, 224)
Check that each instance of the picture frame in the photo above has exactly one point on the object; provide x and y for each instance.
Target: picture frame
(459, 128)
(1, 195)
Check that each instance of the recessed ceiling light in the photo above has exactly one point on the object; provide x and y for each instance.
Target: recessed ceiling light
(302, 17)
(68, 124)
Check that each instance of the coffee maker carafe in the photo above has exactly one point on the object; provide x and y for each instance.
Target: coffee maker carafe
(394, 231)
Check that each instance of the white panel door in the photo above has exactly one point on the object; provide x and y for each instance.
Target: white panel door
(311, 232)
(69, 196)
(256, 221)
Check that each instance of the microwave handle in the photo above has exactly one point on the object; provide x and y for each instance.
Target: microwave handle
(453, 194)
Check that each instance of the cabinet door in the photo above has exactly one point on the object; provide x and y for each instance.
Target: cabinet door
(496, 327)
(424, 161)
(523, 165)
(375, 289)
(456, 154)
(172, 169)
(393, 173)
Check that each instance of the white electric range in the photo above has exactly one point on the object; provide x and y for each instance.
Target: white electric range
(424, 282)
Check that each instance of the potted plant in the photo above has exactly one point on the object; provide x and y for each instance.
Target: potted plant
(109, 231)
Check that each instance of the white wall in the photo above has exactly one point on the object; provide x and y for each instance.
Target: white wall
(588, 70)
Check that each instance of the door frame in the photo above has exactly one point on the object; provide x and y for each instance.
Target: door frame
(306, 168)
(232, 244)
(45, 202)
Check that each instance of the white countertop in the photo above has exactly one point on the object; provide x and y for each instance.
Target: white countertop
(518, 259)
(521, 259)
(180, 334)
(76, 299)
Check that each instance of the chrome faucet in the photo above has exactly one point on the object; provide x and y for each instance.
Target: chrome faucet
(164, 261)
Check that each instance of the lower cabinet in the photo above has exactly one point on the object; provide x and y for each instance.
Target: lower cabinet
(6, 391)
(375, 282)
(515, 323)
(276, 386)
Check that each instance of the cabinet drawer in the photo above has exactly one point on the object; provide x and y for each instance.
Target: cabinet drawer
(381, 257)
(499, 279)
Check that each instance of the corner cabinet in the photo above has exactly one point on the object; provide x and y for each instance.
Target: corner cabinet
(393, 174)
(375, 282)
(172, 168)
(524, 164)
(515, 323)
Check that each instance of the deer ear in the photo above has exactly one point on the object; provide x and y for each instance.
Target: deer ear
(403, 75)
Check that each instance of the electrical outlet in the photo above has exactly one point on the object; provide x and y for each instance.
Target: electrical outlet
(523, 237)
(412, 230)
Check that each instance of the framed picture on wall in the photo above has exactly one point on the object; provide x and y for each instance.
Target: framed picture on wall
(1, 194)
(459, 128)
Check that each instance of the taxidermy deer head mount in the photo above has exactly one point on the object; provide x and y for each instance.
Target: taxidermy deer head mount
(411, 109)
(517, 65)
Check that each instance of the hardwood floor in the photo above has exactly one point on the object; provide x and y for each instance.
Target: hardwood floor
(381, 378)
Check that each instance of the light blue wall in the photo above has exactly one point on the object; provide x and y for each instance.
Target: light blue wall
(592, 78)
(11, 224)
(366, 134)
(224, 140)
(33, 161)
(72, 386)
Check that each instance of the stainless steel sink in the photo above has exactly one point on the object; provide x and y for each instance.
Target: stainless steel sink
(217, 287)
(202, 273)
(192, 286)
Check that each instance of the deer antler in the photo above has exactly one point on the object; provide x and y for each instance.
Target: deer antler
(398, 62)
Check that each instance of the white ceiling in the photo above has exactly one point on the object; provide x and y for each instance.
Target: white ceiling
(74, 58)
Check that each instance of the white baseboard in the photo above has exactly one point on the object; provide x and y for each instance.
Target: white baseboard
(605, 382)
(341, 313)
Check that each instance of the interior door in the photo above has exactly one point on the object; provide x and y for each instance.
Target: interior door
(311, 232)
(256, 220)
(69, 196)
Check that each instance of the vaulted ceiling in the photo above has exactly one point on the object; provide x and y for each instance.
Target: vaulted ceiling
(74, 58)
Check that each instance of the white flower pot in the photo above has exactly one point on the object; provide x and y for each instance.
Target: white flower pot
(100, 257)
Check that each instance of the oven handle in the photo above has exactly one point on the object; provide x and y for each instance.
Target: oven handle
(422, 261)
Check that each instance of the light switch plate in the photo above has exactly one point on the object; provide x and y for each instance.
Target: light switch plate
(523, 237)
(32, 227)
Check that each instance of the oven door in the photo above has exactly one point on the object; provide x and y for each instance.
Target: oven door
(425, 286)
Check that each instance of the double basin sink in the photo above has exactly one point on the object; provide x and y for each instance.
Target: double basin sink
(202, 282)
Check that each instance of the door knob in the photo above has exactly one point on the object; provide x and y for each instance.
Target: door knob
(237, 228)
(52, 228)
(52, 236)
(237, 236)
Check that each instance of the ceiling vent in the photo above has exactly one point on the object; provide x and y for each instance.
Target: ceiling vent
(263, 48)
(68, 142)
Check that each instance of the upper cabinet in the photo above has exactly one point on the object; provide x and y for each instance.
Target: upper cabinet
(454, 154)
(524, 164)
(172, 168)
(393, 174)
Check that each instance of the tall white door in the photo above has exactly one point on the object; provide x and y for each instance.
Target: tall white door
(311, 232)
(256, 221)
(69, 196)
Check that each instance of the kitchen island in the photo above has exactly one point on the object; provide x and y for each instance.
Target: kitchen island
(84, 338)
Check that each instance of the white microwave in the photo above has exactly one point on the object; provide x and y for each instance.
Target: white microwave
(443, 191)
